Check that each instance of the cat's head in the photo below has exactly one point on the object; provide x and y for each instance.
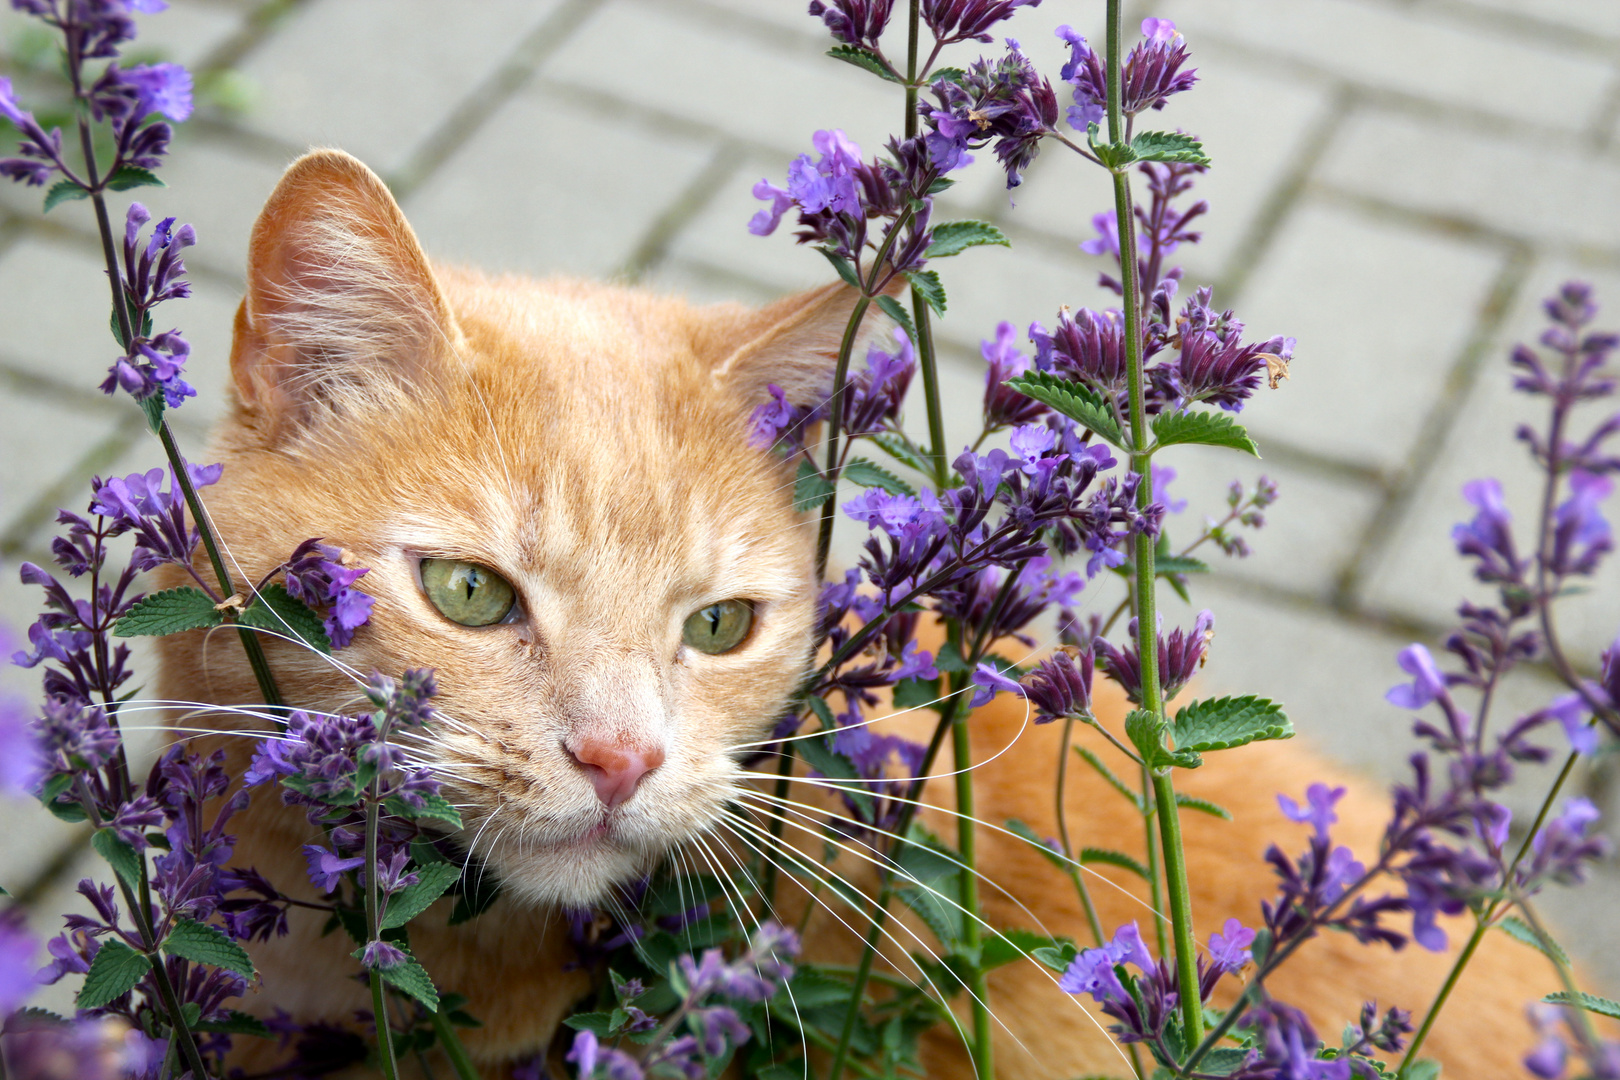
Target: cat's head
(553, 488)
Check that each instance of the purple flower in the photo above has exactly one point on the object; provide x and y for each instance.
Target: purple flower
(584, 1053)
(1489, 537)
(854, 22)
(17, 950)
(1427, 683)
(1581, 535)
(380, 955)
(1060, 685)
(1106, 241)
(322, 576)
(962, 20)
(1180, 657)
(1162, 475)
(162, 88)
(326, 869)
(1229, 946)
(1004, 406)
(1004, 101)
(1319, 809)
(20, 763)
(990, 681)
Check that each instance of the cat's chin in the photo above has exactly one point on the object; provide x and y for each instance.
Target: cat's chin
(578, 874)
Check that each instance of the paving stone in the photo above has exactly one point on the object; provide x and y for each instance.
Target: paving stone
(1413, 52)
(1381, 313)
(541, 223)
(1419, 573)
(219, 191)
(369, 77)
(63, 334)
(1539, 188)
(186, 33)
(39, 442)
(1254, 125)
(758, 90)
(1581, 15)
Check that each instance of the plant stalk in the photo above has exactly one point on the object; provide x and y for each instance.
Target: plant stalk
(379, 1005)
(457, 1053)
(972, 936)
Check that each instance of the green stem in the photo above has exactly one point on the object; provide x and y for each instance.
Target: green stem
(937, 453)
(1147, 636)
(457, 1053)
(784, 776)
(972, 937)
(835, 418)
(1063, 833)
(385, 1035)
(1155, 875)
(863, 972)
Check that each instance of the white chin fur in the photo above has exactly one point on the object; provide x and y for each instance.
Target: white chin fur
(575, 877)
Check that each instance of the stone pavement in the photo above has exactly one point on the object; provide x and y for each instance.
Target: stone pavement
(1397, 183)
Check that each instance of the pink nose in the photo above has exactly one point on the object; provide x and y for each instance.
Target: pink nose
(614, 768)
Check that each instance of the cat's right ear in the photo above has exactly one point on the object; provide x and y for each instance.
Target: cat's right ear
(342, 310)
(792, 343)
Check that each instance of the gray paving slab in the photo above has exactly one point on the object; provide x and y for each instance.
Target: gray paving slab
(1374, 351)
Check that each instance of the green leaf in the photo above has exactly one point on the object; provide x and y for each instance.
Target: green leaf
(841, 264)
(933, 906)
(927, 283)
(152, 406)
(863, 58)
(957, 236)
(1072, 399)
(207, 945)
(1589, 1002)
(410, 978)
(917, 694)
(820, 756)
(1146, 732)
(810, 488)
(1107, 774)
(275, 610)
(1222, 723)
(1114, 858)
(133, 176)
(1179, 564)
(434, 808)
(869, 474)
(123, 858)
(1114, 156)
(63, 191)
(54, 789)
(891, 307)
(949, 74)
(236, 1023)
(1203, 806)
(411, 901)
(113, 973)
(169, 612)
(1024, 832)
(1013, 943)
(1520, 930)
(1423, 1069)
(1168, 146)
(812, 989)
(599, 1024)
(900, 448)
(1205, 428)
(1057, 957)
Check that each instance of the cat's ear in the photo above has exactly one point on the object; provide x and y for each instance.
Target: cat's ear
(342, 308)
(792, 343)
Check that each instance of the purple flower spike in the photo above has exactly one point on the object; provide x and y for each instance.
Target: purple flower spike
(1229, 946)
(1061, 685)
(17, 951)
(854, 22)
(326, 869)
(1427, 683)
(990, 682)
(1581, 535)
(162, 88)
(963, 20)
(1320, 801)
(381, 956)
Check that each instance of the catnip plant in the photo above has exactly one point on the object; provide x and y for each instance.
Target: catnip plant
(696, 971)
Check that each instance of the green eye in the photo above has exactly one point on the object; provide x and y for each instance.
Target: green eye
(719, 627)
(466, 593)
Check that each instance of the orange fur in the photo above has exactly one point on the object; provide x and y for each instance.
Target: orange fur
(589, 443)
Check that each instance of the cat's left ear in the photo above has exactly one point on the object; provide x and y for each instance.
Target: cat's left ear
(342, 309)
(792, 343)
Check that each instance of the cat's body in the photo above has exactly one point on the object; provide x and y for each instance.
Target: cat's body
(589, 444)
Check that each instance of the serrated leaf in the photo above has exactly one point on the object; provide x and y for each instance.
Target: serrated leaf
(1057, 957)
(1179, 564)
(133, 176)
(1222, 723)
(1074, 400)
(933, 906)
(411, 901)
(1013, 943)
(152, 408)
(1520, 930)
(869, 474)
(275, 610)
(1107, 774)
(949, 74)
(236, 1023)
(1203, 428)
(410, 978)
(926, 282)
(113, 973)
(207, 945)
(918, 694)
(1203, 806)
(1423, 1069)
(1168, 146)
(1114, 858)
(123, 858)
(813, 989)
(864, 59)
(899, 448)
(599, 1024)
(891, 307)
(433, 808)
(810, 488)
(1589, 1002)
(54, 789)
(954, 237)
(1112, 155)
(1024, 832)
(171, 611)
(841, 264)
(1146, 732)
(63, 191)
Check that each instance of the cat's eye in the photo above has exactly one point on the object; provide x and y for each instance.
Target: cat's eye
(720, 627)
(467, 593)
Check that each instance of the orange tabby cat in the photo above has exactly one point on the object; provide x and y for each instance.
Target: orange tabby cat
(588, 445)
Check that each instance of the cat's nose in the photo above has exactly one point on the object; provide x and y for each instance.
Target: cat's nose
(613, 767)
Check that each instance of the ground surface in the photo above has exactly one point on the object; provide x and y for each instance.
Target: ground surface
(1396, 185)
